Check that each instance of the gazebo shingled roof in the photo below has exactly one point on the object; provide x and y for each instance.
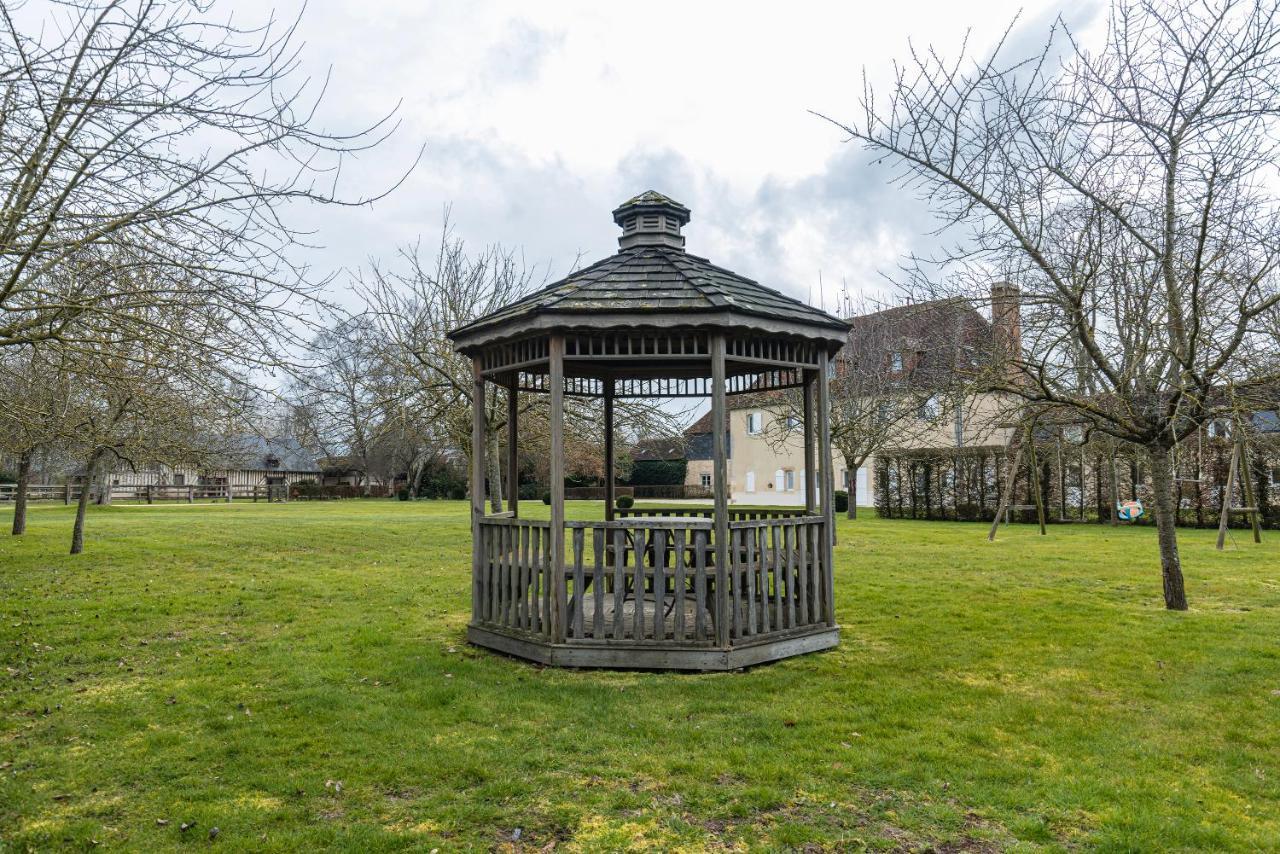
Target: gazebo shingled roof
(703, 588)
(651, 276)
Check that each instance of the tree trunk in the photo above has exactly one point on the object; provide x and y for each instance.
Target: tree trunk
(77, 533)
(851, 474)
(1115, 493)
(1175, 595)
(20, 496)
(1007, 491)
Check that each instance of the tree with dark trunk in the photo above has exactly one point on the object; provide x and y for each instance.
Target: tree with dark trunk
(1126, 190)
(92, 475)
(20, 494)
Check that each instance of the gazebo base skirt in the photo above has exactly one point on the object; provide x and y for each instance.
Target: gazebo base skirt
(651, 656)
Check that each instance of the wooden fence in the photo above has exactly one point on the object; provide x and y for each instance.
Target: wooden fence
(69, 493)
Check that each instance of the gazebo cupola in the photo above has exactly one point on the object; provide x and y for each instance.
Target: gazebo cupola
(651, 219)
(700, 588)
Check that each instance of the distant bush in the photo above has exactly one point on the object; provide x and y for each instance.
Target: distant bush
(442, 480)
(624, 502)
(402, 493)
(8, 477)
(546, 498)
(841, 501)
(305, 489)
(531, 490)
(658, 473)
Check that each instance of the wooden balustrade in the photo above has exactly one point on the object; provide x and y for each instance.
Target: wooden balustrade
(512, 590)
(646, 581)
(735, 514)
(639, 580)
(779, 581)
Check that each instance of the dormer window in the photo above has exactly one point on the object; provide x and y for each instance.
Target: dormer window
(272, 462)
(895, 362)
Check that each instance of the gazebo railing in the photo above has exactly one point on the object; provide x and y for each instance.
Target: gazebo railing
(639, 580)
(735, 514)
(511, 589)
(779, 581)
(653, 581)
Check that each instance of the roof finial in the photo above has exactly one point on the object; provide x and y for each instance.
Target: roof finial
(651, 219)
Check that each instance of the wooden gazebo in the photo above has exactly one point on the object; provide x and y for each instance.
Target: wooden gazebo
(697, 588)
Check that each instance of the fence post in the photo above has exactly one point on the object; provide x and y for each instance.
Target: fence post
(66, 493)
(228, 492)
(191, 494)
(149, 493)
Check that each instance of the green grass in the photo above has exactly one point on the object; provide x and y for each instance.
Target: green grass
(232, 665)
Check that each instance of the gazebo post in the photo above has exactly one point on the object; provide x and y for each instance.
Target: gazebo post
(828, 496)
(720, 482)
(609, 489)
(556, 552)
(513, 445)
(477, 486)
(810, 473)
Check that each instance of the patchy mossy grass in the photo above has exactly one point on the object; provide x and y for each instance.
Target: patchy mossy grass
(296, 676)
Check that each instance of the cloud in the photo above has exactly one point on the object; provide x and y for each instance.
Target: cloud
(536, 126)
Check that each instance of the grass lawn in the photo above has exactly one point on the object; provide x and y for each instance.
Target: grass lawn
(296, 676)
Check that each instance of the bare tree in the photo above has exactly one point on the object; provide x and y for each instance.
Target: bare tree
(415, 304)
(339, 395)
(129, 410)
(149, 155)
(1127, 192)
(35, 394)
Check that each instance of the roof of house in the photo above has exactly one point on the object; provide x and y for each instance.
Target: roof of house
(936, 336)
(703, 425)
(255, 452)
(665, 448)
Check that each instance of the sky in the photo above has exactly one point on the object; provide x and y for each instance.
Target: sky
(534, 120)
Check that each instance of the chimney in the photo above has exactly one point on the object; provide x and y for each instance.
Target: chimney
(1006, 321)
(651, 219)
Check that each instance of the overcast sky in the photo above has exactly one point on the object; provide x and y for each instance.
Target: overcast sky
(538, 119)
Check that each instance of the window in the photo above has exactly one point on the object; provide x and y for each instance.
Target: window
(754, 423)
(1074, 434)
(272, 462)
(1275, 475)
(706, 481)
(930, 408)
(179, 480)
(884, 412)
(789, 480)
(751, 481)
(895, 363)
(1219, 428)
(794, 422)
(778, 482)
